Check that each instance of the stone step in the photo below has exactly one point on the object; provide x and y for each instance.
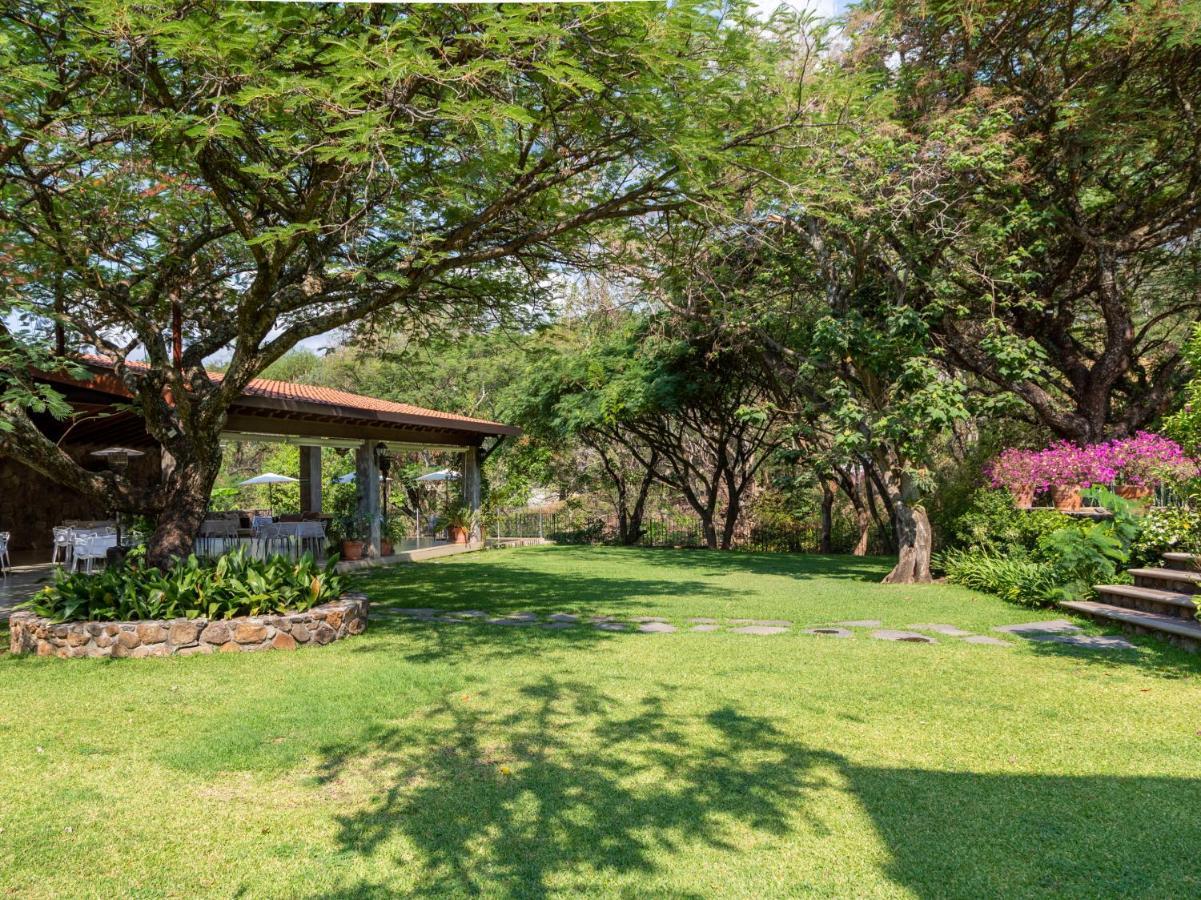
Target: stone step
(1186, 562)
(1168, 603)
(1184, 634)
(1174, 580)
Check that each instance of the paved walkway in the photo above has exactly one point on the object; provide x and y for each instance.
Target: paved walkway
(20, 583)
(1057, 631)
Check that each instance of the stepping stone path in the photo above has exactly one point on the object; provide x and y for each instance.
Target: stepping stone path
(912, 637)
(656, 628)
(1062, 626)
(948, 630)
(1059, 631)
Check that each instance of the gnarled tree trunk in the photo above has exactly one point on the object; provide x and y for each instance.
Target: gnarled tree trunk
(915, 540)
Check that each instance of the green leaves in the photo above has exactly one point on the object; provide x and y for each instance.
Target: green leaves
(236, 585)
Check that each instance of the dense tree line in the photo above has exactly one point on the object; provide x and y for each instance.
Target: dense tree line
(683, 247)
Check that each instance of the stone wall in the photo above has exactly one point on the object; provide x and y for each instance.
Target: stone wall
(184, 637)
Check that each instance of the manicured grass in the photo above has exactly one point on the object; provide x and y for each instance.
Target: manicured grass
(471, 759)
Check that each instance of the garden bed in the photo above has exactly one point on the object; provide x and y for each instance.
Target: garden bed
(320, 625)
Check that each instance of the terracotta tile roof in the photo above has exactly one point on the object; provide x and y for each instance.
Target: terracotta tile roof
(341, 403)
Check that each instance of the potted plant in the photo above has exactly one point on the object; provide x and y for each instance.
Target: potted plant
(1067, 469)
(348, 532)
(1016, 471)
(459, 521)
(392, 532)
(1145, 460)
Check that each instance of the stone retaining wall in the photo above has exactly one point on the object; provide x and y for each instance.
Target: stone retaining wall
(158, 637)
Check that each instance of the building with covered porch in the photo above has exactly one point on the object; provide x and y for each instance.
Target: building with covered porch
(309, 416)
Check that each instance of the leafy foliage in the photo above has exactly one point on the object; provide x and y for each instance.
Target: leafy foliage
(1050, 563)
(236, 585)
(992, 525)
(1016, 579)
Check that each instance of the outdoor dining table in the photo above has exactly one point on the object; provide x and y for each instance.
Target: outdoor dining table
(294, 535)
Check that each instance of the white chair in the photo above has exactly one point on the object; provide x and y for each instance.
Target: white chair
(63, 545)
(91, 547)
(217, 534)
(5, 561)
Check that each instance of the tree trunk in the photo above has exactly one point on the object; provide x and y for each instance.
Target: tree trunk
(863, 519)
(709, 530)
(185, 493)
(914, 537)
(634, 527)
(826, 542)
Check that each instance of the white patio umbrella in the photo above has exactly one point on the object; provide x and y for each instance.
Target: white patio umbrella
(440, 475)
(270, 479)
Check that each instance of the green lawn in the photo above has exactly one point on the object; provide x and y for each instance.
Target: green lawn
(463, 760)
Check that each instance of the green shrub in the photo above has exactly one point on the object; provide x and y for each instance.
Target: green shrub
(992, 524)
(1064, 564)
(1018, 580)
(235, 585)
(1166, 529)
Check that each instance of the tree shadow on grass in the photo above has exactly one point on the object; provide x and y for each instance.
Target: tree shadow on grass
(1152, 656)
(565, 793)
(871, 569)
(500, 589)
(572, 791)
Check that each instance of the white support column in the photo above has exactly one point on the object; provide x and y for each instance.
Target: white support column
(471, 486)
(310, 478)
(366, 468)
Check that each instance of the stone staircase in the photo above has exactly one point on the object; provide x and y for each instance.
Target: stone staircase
(1161, 602)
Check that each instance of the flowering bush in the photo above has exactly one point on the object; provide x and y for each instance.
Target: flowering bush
(1149, 459)
(1143, 460)
(1014, 469)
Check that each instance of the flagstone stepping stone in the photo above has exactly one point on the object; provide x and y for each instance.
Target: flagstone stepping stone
(556, 625)
(417, 613)
(911, 637)
(948, 630)
(611, 626)
(1087, 641)
(566, 618)
(523, 616)
(985, 639)
(602, 618)
(510, 620)
(656, 628)
(706, 626)
(469, 614)
(647, 619)
(759, 629)
(862, 623)
(703, 620)
(1060, 626)
(831, 632)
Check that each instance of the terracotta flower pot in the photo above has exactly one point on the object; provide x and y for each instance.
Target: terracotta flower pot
(1135, 491)
(1023, 497)
(458, 535)
(385, 547)
(353, 549)
(1066, 497)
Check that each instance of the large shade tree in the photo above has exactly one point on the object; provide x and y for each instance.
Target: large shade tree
(179, 181)
(1039, 190)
